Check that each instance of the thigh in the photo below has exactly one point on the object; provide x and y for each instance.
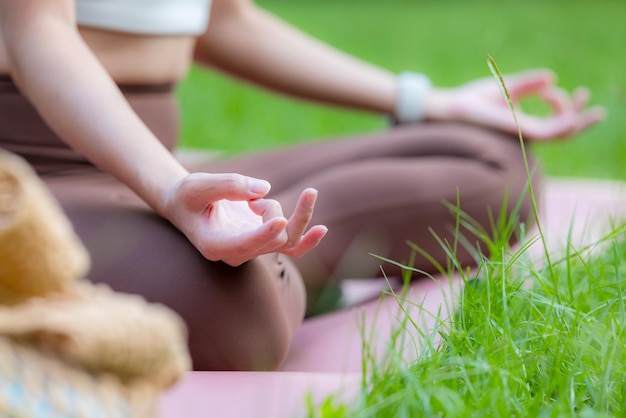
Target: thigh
(237, 318)
(291, 166)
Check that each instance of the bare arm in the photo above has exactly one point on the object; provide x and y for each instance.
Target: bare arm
(79, 100)
(248, 42)
(223, 215)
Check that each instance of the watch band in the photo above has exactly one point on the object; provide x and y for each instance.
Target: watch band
(411, 93)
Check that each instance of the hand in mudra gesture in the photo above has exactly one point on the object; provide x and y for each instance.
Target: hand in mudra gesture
(482, 102)
(227, 217)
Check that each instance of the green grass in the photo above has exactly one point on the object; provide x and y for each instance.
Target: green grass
(526, 341)
(449, 40)
(529, 338)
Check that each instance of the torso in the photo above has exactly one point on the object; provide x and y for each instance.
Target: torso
(134, 59)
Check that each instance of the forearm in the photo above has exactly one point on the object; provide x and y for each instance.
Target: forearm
(82, 104)
(254, 45)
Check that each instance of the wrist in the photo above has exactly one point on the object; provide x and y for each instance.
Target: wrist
(437, 104)
(157, 190)
(412, 96)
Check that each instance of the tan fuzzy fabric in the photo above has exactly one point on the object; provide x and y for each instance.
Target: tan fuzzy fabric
(103, 331)
(39, 251)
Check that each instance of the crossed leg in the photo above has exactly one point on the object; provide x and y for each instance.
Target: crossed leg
(380, 190)
(376, 192)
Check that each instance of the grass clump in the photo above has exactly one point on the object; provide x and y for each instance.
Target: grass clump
(525, 341)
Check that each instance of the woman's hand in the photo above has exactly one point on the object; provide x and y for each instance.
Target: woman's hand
(482, 102)
(227, 218)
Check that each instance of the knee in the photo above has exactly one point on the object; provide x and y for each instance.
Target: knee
(520, 178)
(505, 179)
(251, 342)
(255, 349)
(522, 191)
(252, 322)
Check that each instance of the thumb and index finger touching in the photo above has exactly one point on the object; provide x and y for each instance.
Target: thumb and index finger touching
(202, 189)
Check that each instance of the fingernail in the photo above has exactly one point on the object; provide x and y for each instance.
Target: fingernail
(260, 187)
(311, 198)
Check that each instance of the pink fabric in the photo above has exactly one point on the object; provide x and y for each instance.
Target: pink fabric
(333, 343)
(585, 209)
(254, 394)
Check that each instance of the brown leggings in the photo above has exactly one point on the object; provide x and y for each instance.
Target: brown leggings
(376, 192)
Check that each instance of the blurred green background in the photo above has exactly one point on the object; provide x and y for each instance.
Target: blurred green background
(582, 40)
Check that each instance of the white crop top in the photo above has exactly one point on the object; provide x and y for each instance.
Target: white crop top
(151, 17)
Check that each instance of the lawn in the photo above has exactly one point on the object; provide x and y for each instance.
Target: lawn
(449, 40)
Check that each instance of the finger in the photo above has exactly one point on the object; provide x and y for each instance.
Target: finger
(308, 241)
(557, 98)
(234, 186)
(239, 248)
(560, 127)
(270, 211)
(199, 189)
(554, 126)
(301, 216)
(496, 117)
(581, 97)
(502, 119)
(266, 208)
(528, 82)
(590, 117)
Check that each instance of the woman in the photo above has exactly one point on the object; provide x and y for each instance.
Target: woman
(86, 97)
